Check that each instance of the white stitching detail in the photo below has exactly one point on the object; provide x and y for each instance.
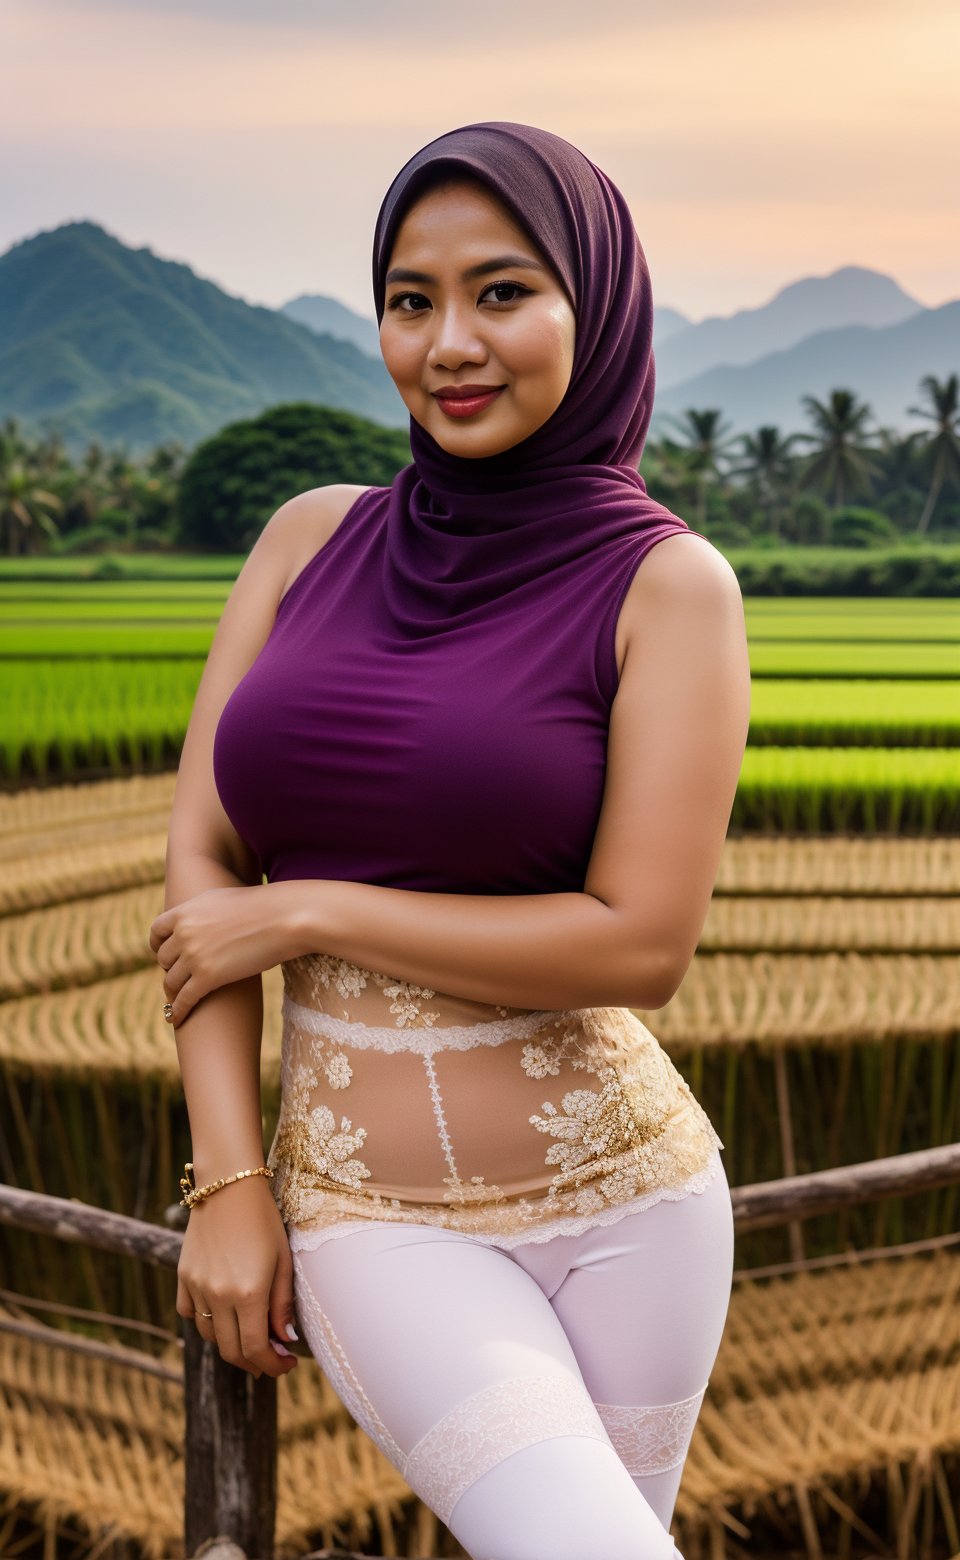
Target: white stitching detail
(456, 1037)
(329, 1354)
(651, 1439)
(440, 1117)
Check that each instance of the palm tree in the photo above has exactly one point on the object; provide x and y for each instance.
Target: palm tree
(23, 506)
(706, 444)
(942, 450)
(839, 465)
(88, 488)
(166, 460)
(765, 460)
(13, 442)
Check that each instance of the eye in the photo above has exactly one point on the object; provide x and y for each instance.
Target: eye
(516, 286)
(400, 298)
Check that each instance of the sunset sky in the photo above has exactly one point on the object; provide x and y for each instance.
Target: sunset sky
(757, 141)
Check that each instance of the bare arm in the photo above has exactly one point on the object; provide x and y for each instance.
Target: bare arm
(235, 1260)
(218, 1047)
(521, 950)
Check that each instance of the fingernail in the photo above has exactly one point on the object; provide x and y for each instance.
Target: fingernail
(280, 1348)
(292, 1332)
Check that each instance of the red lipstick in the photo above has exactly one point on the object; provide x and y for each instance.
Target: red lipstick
(465, 400)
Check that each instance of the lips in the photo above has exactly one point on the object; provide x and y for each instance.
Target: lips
(467, 399)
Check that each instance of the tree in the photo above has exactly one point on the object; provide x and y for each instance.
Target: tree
(24, 507)
(839, 465)
(233, 482)
(706, 443)
(765, 459)
(941, 452)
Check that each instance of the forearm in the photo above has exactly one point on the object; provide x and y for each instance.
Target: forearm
(218, 1046)
(546, 951)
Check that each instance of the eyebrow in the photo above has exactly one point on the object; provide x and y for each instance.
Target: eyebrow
(503, 262)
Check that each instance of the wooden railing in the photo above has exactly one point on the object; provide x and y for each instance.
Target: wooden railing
(230, 1464)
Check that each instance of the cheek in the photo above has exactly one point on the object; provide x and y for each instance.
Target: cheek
(400, 355)
(546, 357)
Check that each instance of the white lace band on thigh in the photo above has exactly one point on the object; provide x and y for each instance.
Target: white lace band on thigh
(651, 1440)
(491, 1424)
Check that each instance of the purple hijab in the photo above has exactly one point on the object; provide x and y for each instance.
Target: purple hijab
(431, 709)
(573, 484)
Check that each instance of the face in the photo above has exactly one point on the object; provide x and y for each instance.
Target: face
(508, 328)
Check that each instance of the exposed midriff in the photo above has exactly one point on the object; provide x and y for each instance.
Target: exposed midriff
(405, 1104)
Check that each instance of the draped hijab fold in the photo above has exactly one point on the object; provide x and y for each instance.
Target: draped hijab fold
(462, 533)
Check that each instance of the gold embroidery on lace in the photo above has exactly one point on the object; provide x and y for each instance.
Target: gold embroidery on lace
(640, 1133)
(308, 1148)
(350, 980)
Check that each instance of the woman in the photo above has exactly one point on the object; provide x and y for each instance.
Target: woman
(487, 763)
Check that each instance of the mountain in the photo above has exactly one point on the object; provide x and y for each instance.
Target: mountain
(327, 316)
(882, 365)
(104, 341)
(666, 322)
(849, 296)
(109, 342)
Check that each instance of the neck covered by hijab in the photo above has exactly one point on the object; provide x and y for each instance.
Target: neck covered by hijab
(464, 532)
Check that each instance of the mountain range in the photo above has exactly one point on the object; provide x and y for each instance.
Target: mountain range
(106, 341)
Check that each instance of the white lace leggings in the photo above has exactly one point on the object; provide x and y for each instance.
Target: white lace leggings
(540, 1400)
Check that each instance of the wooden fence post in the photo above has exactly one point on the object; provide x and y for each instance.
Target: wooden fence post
(230, 1473)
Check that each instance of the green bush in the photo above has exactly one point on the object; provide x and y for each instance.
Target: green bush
(233, 482)
(856, 526)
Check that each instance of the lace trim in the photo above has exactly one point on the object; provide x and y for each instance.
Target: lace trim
(490, 1425)
(328, 1352)
(456, 1037)
(306, 1238)
(651, 1440)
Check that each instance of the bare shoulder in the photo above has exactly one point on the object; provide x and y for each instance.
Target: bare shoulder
(308, 520)
(682, 574)
(199, 824)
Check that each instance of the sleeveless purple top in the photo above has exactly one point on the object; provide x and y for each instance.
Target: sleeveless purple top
(431, 708)
(450, 739)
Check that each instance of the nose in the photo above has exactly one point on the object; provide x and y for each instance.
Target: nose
(455, 338)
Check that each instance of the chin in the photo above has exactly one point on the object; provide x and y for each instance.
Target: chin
(470, 443)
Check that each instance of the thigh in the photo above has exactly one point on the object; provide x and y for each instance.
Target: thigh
(644, 1303)
(453, 1360)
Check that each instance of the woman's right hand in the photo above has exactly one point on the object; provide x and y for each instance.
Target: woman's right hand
(235, 1261)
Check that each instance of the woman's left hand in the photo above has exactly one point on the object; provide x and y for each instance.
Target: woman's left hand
(217, 937)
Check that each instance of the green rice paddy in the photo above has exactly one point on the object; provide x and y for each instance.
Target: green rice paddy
(855, 706)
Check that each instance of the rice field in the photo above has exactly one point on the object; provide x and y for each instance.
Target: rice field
(854, 723)
(819, 1023)
(821, 1012)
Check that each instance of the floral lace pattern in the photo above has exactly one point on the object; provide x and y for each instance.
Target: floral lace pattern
(490, 1425)
(325, 974)
(622, 1128)
(653, 1439)
(307, 1237)
(497, 1420)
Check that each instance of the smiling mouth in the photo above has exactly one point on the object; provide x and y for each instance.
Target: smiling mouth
(467, 405)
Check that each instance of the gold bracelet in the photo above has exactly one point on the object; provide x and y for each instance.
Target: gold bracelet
(195, 1194)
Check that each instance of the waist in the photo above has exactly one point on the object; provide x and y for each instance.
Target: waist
(350, 996)
(526, 1103)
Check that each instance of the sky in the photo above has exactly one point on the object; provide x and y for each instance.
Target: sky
(756, 141)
